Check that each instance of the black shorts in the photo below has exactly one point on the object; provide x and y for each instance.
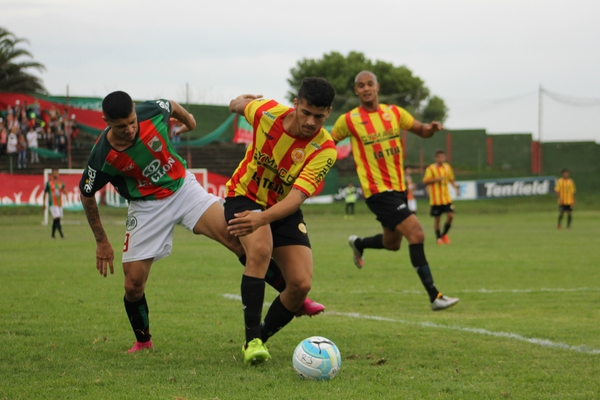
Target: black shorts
(391, 208)
(564, 208)
(436, 211)
(288, 231)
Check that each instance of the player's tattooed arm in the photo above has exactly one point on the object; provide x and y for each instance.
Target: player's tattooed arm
(104, 251)
(93, 217)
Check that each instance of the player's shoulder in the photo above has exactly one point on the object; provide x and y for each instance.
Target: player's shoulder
(150, 108)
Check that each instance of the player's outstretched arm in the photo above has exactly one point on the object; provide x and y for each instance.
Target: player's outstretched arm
(426, 130)
(183, 116)
(104, 251)
(238, 104)
(248, 221)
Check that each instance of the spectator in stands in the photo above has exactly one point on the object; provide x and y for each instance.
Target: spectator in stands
(3, 137)
(21, 151)
(75, 129)
(35, 108)
(49, 136)
(175, 139)
(61, 139)
(32, 143)
(11, 143)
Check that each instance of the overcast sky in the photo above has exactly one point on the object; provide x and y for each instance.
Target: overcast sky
(486, 59)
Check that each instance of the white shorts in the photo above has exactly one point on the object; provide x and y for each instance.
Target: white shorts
(412, 205)
(56, 212)
(150, 224)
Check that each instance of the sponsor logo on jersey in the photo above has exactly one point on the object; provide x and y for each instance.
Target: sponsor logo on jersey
(269, 115)
(269, 137)
(155, 170)
(89, 182)
(128, 168)
(315, 145)
(155, 144)
(386, 116)
(298, 155)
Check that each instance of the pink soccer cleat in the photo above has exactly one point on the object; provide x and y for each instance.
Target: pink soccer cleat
(310, 308)
(140, 346)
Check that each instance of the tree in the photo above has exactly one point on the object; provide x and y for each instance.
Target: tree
(398, 85)
(435, 110)
(13, 73)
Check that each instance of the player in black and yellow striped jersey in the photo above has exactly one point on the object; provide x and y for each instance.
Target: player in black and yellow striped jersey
(565, 189)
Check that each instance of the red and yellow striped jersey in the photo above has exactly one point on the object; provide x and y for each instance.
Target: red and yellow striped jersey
(376, 145)
(276, 162)
(439, 195)
(566, 191)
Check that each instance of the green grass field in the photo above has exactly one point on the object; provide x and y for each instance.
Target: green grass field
(527, 325)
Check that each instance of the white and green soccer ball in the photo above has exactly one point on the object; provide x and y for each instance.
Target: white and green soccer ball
(317, 358)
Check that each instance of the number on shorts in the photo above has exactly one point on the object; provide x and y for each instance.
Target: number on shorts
(126, 245)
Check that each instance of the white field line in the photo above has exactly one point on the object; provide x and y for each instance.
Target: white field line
(508, 335)
(491, 291)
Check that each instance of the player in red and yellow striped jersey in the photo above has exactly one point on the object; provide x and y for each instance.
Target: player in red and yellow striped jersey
(289, 157)
(375, 133)
(54, 190)
(565, 189)
(437, 178)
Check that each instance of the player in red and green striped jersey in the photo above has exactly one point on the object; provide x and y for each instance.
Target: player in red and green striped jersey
(54, 190)
(135, 155)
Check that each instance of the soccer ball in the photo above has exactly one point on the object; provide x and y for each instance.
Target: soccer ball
(317, 358)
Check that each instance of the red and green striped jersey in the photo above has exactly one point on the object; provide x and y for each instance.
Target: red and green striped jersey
(54, 190)
(148, 170)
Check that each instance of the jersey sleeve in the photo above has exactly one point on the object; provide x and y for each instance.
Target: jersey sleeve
(93, 178)
(165, 108)
(340, 129)
(251, 109)
(428, 174)
(315, 170)
(406, 119)
(47, 187)
(450, 174)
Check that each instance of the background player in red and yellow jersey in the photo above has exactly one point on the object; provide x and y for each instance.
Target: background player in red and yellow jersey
(410, 188)
(289, 157)
(54, 190)
(565, 189)
(375, 133)
(437, 178)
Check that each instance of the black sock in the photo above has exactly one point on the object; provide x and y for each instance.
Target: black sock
(59, 227)
(53, 227)
(560, 217)
(138, 317)
(274, 277)
(371, 242)
(253, 296)
(446, 229)
(277, 317)
(568, 220)
(418, 260)
(438, 234)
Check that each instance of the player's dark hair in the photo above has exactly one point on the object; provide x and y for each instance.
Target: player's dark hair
(316, 92)
(117, 105)
(564, 170)
(439, 152)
